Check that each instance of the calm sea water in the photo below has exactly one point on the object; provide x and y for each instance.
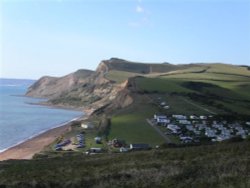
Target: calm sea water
(20, 120)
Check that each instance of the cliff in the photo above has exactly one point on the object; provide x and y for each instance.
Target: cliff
(92, 89)
(84, 88)
(49, 87)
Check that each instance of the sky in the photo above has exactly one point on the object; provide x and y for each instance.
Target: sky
(57, 37)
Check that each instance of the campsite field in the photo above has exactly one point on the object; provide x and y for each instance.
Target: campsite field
(130, 124)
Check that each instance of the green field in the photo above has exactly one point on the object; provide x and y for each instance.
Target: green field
(219, 90)
(183, 105)
(213, 68)
(131, 126)
(160, 85)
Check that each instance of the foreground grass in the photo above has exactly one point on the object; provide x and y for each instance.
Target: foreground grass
(221, 165)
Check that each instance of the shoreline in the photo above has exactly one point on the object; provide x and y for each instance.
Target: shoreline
(41, 132)
(63, 107)
(27, 148)
(36, 143)
(44, 102)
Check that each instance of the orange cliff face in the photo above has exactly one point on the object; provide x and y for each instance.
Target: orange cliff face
(53, 87)
(50, 87)
(90, 90)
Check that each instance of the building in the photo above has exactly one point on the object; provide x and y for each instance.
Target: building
(123, 149)
(184, 121)
(163, 103)
(159, 117)
(179, 117)
(87, 125)
(186, 139)
(95, 150)
(139, 146)
(166, 107)
(203, 117)
(173, 128)
(163, 121)
(193, 117)
(210, 132)
(98, 140)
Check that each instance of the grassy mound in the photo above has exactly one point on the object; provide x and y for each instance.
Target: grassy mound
(221, 165)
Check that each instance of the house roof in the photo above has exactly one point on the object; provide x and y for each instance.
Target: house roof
(139, 145)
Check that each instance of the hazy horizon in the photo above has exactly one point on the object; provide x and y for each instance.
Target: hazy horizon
(57, 37)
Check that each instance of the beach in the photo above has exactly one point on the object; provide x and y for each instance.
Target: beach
(27, 149)
(27, 129)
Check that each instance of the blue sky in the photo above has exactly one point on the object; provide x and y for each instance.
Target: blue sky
(56, 37)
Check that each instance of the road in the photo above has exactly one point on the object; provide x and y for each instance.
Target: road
(160, 132)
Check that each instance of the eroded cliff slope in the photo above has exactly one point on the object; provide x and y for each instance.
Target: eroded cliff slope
(92, 90)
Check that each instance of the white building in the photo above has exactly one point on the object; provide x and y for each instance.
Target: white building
(210, 132)
(173, 128)
(166, 107)
(159, 116)
(87, 125)
(179, 117)
(163, 120)
(184, 121)
(163, 103)
(190, 127)
(193, 117)
(203, 117)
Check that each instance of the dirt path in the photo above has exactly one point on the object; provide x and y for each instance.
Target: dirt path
(160, 132)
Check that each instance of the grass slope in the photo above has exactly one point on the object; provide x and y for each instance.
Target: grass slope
(222, 165)
(223, 90)
(130, 124)
(119, 76)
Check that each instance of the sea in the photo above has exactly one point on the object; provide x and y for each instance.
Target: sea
(20, 119)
